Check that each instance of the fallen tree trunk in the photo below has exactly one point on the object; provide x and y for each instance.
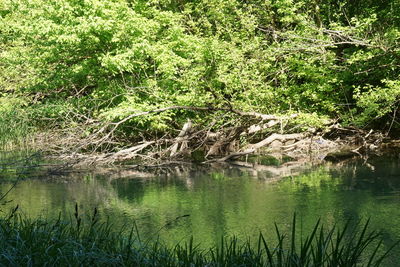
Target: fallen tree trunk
(254, 147)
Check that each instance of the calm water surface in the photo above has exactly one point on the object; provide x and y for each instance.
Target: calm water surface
(211, 202)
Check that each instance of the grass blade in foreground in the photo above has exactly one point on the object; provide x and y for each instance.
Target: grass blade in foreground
(40, 242)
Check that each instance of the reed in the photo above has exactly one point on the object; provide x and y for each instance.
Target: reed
(14, 128)
(90, 242)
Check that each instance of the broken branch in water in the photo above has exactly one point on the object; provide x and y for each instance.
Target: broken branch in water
(220, 143)
(254, 147)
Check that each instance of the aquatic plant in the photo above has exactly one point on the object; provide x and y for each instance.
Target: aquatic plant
(79, 241)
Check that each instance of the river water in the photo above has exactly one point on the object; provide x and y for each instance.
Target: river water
(208, 202)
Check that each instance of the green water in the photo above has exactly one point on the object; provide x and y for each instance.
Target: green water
(208, 202)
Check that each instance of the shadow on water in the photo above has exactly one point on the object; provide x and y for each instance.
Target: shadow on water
(207, 202)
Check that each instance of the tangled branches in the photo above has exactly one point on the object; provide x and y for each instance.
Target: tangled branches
(93, 141)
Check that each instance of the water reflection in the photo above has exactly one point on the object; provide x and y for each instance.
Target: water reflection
(208, 203)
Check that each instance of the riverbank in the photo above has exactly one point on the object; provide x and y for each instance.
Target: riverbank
(195, 144)
(275, 159)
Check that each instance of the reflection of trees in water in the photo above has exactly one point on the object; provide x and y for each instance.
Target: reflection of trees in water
(16, 165)
(350, 191)
(230, 201)
(223, 199)
(50, 196)
(376, 173)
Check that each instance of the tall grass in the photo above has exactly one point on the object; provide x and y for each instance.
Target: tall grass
(90, 242)
(14, 128)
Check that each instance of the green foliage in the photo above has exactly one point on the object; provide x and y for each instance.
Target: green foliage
(377, 102)
(130, 56)
(310, 120)
(14, 123)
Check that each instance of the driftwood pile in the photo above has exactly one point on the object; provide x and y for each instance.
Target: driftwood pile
(251, 133)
